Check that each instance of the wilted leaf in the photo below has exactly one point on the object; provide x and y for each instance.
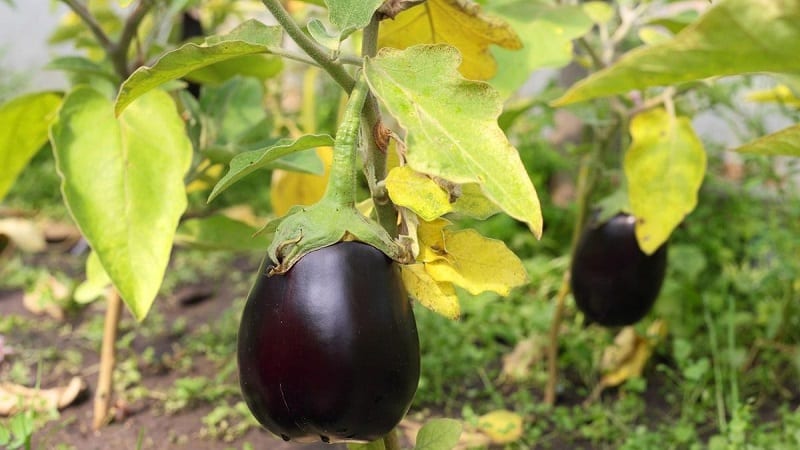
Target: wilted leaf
(459, 23)
(246, 163)
(15, 398)
(251, 37)
(452, 126)
(291, 188)
(431, 240)
(502, 427)
(478, 264)
(546, 31)
(438, 434)
(417, 192)
(49, 296)
(629, 354)
(733, 37)
(664, 166)
(785, 142)
(23, 132)
(517, 364)
(122, 180)
(439, 297)
(24, 233)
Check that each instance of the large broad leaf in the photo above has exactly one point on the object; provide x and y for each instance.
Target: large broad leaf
(664, 167)
(350, 15)
(122, 180)
(452, 126)
(249, 38)
(246, 163)
(546, 31)
(785, 142)
(460, 23)
(23, 130)
(733, 37)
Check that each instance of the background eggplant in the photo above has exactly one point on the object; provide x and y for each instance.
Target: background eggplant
(614, 283)
(329, 350)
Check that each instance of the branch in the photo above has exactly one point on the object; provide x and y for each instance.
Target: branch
(86, 16)
(317, 53)
(119, 51)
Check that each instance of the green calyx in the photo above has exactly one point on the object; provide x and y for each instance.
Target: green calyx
(334, 218)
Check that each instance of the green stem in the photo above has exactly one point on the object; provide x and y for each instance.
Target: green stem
(391, 441)
(341, 187)
(317, 53)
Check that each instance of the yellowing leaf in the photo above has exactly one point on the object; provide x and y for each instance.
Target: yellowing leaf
(471, 202)
(779, 94)
(478, 264)
(437, 296)
(460, 23)
(502, 427)
(452, 126)
(629, 354)
(417, 192)
(431, 240)
(517, 364)
(664, 167)
(294, 188)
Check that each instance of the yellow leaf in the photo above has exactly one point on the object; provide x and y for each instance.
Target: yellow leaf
(664, 166)
(417, 192)
(629, 354)
(437, 296)
(779, 94)
(502, 427)
(459, 23)
(292, 188)
(477, 263)
(431, 240)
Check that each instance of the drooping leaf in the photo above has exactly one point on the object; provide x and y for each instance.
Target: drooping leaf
(220, 232)
(478, 264)
(546, 31)
(321, 34)
(246, 163)
(785, 142)
(664, 167)
(122, 180)
(351, 15)
(502, 427)
(439, 434)
(23, 131)
(439, 297)
(291, 188)
(452, 126)
(417, 192)
(733, 37)
(459, 23)
(249, 38)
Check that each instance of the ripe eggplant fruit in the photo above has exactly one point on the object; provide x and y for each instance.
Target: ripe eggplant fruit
(613, 281)
(329, 350)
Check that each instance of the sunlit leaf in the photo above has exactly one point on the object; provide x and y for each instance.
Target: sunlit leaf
(785, 142)
(439, 297)
(251, 37)
(438, 434)
(23, 131)
(478, 264)
(417, 192)
(733, 37)
(459, 23)
(664, 167)
(246, 163)
(122, 180)
(503, 427)
(452, 126)
(291, 188)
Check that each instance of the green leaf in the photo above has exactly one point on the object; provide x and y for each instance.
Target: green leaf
(249, 38)
(473, 203)
(246, 163)
(733, 37)
(452, 126)
(23, 131)
(97, 281)
(320, 34)
(439, 434)
(664, 167)
(546, 32)
(234, 108)
(261, 67)
(784, 142)
(81, 65)
(220, 232)
(351, 15)
(122, 180)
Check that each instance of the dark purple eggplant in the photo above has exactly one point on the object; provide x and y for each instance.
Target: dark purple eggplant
(329, 350)
(613, 281)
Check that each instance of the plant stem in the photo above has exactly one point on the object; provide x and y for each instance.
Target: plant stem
(391, 441)
(102, 399)
(341, 187)
(86, 16)
(119, 53)
(317, 53)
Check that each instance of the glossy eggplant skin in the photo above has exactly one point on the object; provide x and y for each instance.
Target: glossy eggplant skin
(329, 350)
(613, 281)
